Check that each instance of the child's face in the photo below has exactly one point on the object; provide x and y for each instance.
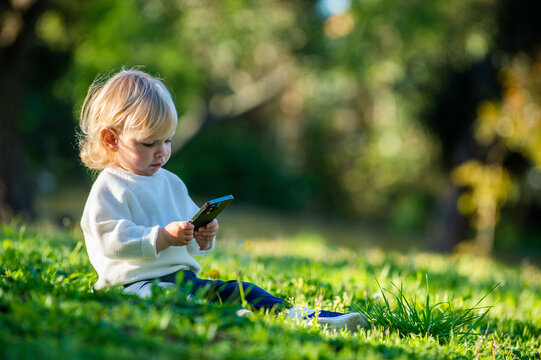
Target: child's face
(142, 156)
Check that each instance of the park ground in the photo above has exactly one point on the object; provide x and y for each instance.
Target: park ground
(421, 305)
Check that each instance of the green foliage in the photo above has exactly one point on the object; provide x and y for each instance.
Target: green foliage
(304, 109)
(234, 161)
(335, 100)
(48, 309)
(328, 105)
(407, 317)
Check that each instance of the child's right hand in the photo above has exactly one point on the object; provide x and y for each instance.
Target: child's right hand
(177, 233)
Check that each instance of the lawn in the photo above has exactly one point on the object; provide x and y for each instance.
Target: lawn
(415, 300)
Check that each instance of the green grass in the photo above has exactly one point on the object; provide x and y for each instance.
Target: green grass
(48, 309)
(408, 317)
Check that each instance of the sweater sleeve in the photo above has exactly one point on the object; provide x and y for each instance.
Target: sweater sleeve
(193, 248)
(109, 222)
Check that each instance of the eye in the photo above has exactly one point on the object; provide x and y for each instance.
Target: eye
(168, 141)
(148, 144)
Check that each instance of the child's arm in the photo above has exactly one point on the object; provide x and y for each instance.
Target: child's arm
(177, 233)
(204, 235)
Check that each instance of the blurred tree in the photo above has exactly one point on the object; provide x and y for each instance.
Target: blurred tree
(451, 117)
(358, 110)
(373, 80)
(515, 121)
(480, 133)
(17, 42)
(490, 186)
(511, 125)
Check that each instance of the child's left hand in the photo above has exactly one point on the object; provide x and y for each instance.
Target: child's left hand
(204, 235)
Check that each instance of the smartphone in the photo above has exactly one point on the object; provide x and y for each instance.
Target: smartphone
(210, 210)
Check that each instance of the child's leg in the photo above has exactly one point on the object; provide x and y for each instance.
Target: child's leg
(144, 288)
(226, 291)
(253, 294)
(326, 314)
(229, 291)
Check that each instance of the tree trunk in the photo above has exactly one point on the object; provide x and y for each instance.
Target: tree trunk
(16, 43)
(449, 226)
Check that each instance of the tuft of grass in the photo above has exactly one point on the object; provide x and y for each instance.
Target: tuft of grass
(408, 317)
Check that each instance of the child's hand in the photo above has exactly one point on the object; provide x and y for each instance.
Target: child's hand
(205, 234)
(177, 233)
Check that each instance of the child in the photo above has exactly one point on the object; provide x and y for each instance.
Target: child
(135, 221)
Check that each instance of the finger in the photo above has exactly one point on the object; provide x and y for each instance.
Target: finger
(207, 228)
(186, 225)
(206, 236)
(208, 231)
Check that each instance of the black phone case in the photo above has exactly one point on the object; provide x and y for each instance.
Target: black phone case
(210, 210)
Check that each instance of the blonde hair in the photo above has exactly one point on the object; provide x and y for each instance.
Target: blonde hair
(130, 100)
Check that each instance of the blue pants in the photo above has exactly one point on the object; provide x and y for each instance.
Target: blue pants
(214, 290)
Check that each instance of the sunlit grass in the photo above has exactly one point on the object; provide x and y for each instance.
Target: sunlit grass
(49, 310)
(406, 316)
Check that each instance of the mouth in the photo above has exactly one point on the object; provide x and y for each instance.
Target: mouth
(157, 165)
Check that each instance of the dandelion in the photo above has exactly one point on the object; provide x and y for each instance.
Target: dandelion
(214, 274)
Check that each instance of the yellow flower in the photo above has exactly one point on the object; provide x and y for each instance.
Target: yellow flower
(214, 274)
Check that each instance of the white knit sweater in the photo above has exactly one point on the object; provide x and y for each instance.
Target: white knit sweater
(120, 222)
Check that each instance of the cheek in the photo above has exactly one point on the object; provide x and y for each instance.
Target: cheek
(142, 154)
(127, 153)
(149, 154)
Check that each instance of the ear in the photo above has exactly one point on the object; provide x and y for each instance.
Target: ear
(110, 139)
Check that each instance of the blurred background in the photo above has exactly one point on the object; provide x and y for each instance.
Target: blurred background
(413, 123)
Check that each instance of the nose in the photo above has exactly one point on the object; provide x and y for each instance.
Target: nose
(162, 150)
